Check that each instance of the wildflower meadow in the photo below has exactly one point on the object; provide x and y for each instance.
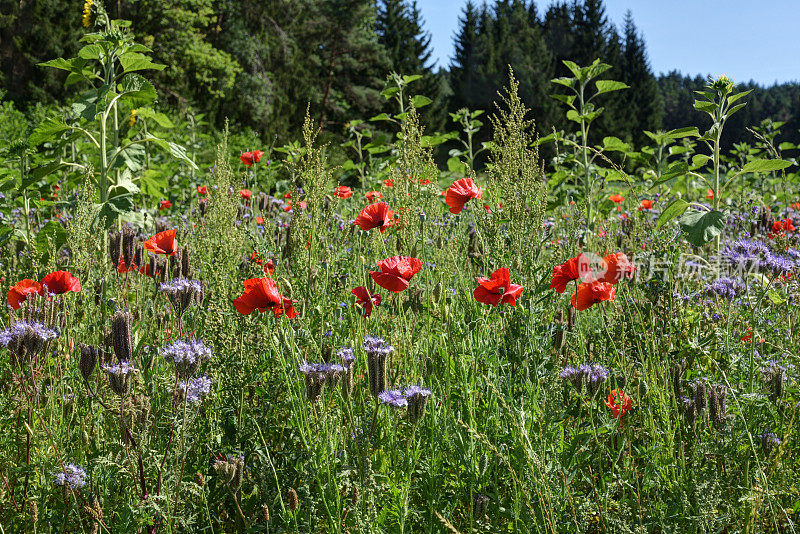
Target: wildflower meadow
(402, 330)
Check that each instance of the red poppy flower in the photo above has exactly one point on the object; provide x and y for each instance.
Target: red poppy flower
(18, 293)
(498, 289)
(122, 268)
(285, 308)
(163, 243)
(616, 198)
(748, 337)
(164, 204)
(375, 216)
(260, 220)
(590, 293)
(617, 268)
(290, 206)
(245, 194)
(259, 294)
(365, 299)
(202, 189)
(60, 282)
(253, 156)
(786, 224)
(424, 181)
(343, 191)
(796, 205)
(621, 405)
(572, 269)
(395, 272)
(645, 205)
(388, 182)
(460, 192)
(710, 194)
(372, 196)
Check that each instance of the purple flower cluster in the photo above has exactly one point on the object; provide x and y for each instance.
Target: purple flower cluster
(119, 369)
(400, 398)
(196, 389)
(725, 287)
(346, 355)
(321, 368)
(21, 329)
(751, 255)
(592, 374)
(179, 285)
(377, 345)
(187, 355)
(72, 476)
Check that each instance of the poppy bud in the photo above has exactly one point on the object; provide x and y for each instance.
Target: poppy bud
(294, 501)
(88, 360)
(122, 336)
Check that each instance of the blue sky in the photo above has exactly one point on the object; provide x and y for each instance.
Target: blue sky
(744, 39)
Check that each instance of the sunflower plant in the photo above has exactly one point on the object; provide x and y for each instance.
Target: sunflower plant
(110, 64)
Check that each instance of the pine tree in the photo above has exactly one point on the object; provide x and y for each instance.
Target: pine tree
(644, 103)
(463, 64)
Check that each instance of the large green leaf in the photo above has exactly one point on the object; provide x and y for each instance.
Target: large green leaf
(48, 130)
(606, 86)
(700, 227)
(114, 208)
(137, 91)
(675, 209)
(133, 61)
(765, 165)
(420, 101)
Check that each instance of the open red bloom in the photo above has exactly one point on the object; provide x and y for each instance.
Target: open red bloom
(245, 194)
(572, 269)
(710, 194)
(285, 308)
(202, 189)
(621, 405)
(395, 272)
(290, 206)
(498, 289)
(616, 198)
(248, 158)
(784, 225)
(365, 299)
(796, 205)
(343, 191)
(18, 293)
(164, 204)
(163, 243)
(590, 293)
(645, 205)
(122, 268)
(375, 216)
(460, 192)
(388, 182)
(617, 268)
(60, 282)
(372, 196)
(259, 294)
(269, 265)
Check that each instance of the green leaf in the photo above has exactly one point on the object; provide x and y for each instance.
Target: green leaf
(456, 165)
(775, 297)
(412, 78)
(614, 144)
(566, 82)
(683, 132)
(733, 98)
(389, 92)
(51, 234)
(382, 117)
(91, 51)
(113, 208)
(567, 99)
(675, 209)
(786, 145)
(176, 150)
(573, 67)
(159, 118)
(698, 160)
(137, 91)
(765, 165)
(735, 108)
(420, 101)
(48, 130)
(607, 86)
(37, 173)
(133, 61)
(708, 107)
(700, 227)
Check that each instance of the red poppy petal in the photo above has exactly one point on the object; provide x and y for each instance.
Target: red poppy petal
(390, 282)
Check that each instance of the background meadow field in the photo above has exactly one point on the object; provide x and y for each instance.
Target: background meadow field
(392, 310)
